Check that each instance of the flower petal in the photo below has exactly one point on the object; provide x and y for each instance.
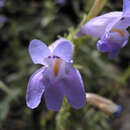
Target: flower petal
(103, 46)
(62, 2)
(38, 51)
(2, 3)
(124, 43)
(74, 88)
(126, 8)
(3, 19)
(116, 35)
(121, 23)
(35, 89)
(96, 26)
(54, 95)
(114, 53)
(111, 43)
(63, 49)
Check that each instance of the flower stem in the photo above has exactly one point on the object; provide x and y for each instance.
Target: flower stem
(4, 87)
(95, 10)
(97, 7)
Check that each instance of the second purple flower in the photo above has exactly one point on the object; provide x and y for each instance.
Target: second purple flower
(111, 28)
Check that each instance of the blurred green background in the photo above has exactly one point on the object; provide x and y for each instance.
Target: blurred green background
(25, 20)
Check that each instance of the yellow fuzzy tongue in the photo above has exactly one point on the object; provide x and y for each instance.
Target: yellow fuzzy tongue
(119, 31)
(56, 67)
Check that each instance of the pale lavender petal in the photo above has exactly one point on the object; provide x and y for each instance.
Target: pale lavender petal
(74, 88)
(35, 89)
(63, 49)
(126, 8)
(116, 35)
(97, 26)
(38, 51)
(54, 95)
(121, 23)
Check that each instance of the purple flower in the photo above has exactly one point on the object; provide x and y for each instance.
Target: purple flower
(62, 2)
(57, 78)
(2, 3)
(3, 19)
(111, 28)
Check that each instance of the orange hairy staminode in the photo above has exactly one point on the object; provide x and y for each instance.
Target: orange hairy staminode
(119, 31)
(56, 67)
